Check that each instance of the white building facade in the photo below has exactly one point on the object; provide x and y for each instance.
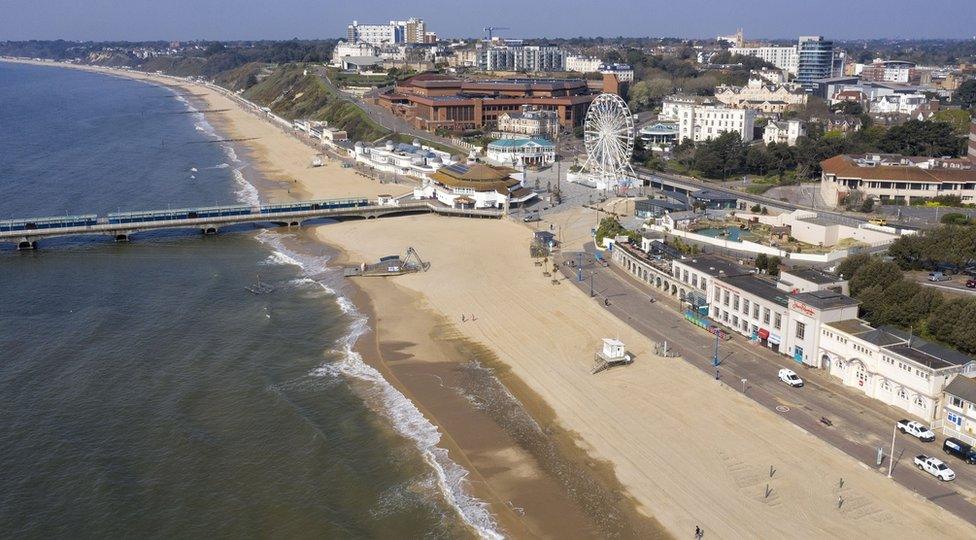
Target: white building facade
(413, 160)
(703, 123)
(784, 132)
(785, 58)
(518, 153)
(583, 64)
(890, 366)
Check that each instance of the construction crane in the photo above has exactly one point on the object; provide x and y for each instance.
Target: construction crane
(490, 29)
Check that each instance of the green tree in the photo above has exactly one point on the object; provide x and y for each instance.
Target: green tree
(965, 95)
(955, 218)
(772, 265)
(762, 261)
(918, 138)
(875, 272)
(848, 266)
(959, 119)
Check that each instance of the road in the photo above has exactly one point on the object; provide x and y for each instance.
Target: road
(859, 425)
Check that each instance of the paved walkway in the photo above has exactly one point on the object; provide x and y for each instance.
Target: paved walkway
(859, 425)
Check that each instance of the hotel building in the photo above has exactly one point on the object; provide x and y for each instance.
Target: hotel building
(706, 122)
(896, 179)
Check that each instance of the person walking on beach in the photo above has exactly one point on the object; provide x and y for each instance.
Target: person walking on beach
(699, 532)
(462, 317)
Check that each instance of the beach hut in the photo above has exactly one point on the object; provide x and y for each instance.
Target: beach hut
(613, 353)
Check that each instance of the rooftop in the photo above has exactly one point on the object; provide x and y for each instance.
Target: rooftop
(812, 275)
(824, 300)
(518, 143)
(714, 266)
(899, 168)
(963, 387)
(478, 176)
(899, 342)
(757, 286)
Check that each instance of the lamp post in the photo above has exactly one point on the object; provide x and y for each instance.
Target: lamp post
(715, 360)
(591, 283)
(891, 458)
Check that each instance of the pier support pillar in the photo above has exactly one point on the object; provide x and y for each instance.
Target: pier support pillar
(122, 237)
(26, 245)
(209, 230)
(294, 223)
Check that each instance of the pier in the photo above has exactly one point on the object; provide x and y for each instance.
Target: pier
(26, 233)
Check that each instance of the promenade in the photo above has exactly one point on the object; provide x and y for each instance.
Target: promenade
(859, 425)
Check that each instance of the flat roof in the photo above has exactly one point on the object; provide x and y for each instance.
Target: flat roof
(826, 299)
(714, 266)
(757, 286)
(812, 275)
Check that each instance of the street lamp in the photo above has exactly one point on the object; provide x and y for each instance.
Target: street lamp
(891, 458)
(715, 360)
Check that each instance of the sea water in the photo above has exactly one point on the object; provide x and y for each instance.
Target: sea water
(143, 390)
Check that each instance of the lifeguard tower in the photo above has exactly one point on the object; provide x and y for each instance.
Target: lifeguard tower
(613, 354)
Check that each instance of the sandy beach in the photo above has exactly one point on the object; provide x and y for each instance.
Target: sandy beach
(688, 450)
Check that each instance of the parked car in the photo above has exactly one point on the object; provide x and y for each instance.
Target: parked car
(971, 283)
(935, 467)
(959, 449)
(938, 276)
(532, 217)
(916, 429)
(790, 377)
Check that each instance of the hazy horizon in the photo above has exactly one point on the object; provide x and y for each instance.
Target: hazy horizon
(146, 20)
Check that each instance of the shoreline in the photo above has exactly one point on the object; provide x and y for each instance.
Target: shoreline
(650, 421)
(558, 519)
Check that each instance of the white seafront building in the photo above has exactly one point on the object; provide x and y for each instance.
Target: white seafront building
(891, 365)
(414, 159)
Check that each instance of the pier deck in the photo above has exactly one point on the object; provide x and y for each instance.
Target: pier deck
(26, 232)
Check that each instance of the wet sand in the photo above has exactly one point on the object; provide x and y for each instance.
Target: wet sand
(532, 472)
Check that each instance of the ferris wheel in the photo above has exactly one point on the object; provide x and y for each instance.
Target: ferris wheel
(608, 135)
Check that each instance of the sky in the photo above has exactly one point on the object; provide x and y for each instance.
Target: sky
(136, 20)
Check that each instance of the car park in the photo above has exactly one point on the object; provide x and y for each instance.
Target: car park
(790, 377)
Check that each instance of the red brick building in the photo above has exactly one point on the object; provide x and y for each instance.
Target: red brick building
(431, 101)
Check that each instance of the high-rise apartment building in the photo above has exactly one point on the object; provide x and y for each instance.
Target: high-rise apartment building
(412, 30)
(816, 60)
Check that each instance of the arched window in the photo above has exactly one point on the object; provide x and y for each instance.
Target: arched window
(902, 394)
(919, 402)
(885, 385)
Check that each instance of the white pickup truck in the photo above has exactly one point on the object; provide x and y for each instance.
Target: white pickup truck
(935, 467)
(916, 429)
